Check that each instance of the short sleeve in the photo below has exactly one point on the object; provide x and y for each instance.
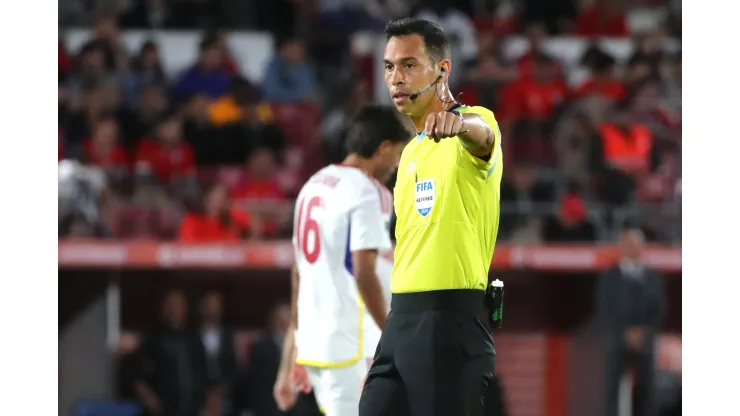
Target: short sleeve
(367, 226)
(490, 119)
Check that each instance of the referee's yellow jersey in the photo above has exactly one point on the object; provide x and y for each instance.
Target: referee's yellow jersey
(447, 208)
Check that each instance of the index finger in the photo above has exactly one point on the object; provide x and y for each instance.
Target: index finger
(429, 126)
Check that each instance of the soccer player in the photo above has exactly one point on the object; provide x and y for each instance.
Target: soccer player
(341, 227)
(436, 353)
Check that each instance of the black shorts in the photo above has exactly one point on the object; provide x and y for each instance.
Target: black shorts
(435, 357)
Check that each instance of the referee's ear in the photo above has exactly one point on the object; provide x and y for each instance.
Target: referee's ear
(445, 68)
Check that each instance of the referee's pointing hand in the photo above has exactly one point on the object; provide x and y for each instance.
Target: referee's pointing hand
(443, 124)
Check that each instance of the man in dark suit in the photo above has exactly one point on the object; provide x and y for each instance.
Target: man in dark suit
(264, 361)
(631, 304)
(172, 379)
(220, 356)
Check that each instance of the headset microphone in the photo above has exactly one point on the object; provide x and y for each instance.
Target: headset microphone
(416, 95)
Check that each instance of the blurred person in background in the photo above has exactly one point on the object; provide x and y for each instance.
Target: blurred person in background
(83, 110)
(264, 361)
(260, 192)
(537, 101)
(289, 77)
(488, 71)
(625, 151)
(165, 158)
(213, 220)
(140, 122)
(603, 81)
(458, 27)
(536, 34)
(220, 353)
(89, 69)
(571, 224)
(173, 376)
(336, 123)
(207, 76)
(197, 127)
(602, 18)
(145, 70)
(556, 17)
(242, 122)
(229, 64)
(103, 150)
(107, 37)
(631, 303)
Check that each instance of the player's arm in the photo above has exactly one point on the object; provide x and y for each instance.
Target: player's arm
(368, 237)
(287, 358)
(368, 283)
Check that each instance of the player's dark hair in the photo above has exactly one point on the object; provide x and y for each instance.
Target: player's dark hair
(436, 41)
(373, 125)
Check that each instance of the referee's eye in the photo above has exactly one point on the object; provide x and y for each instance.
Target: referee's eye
(388, 67)
(409, 66)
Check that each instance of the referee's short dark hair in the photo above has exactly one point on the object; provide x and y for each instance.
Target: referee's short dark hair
(436, 41)
(373, 125)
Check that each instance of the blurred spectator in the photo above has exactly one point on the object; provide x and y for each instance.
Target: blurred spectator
(231, 108)
(603, 81)
(631, 304)
(220, 352)
(173, 375)
(497, 17)
(214, 221)
(198, 130)
(344, 17)
(264, 360)
(488, 71)
(145, 70)
(289, 77)
(649, 48)
(166, 156)
(577, 137)
(556, 16)
(107, 38)
(626, 149)
(239, 123)
(207, 76)
(229, 65)
(103, 150)
(260, 193)
(458, 27)
(141, 121)
(603, 18)
(335, 124)
(522, 185)
(82, 113)
(571, 224)
(534, 104)
(536, 35)
(89, 69)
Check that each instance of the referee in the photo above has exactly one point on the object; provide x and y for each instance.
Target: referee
(436, 354)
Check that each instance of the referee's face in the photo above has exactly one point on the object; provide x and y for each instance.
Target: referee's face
(408, 71)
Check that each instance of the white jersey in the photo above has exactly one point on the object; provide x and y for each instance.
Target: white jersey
(338, 211)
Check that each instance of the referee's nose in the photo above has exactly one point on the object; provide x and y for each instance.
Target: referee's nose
(396, 78)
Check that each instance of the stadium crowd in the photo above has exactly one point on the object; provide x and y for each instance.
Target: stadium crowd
(210, 156)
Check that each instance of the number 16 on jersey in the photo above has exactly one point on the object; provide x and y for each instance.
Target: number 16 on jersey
(308, 237)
